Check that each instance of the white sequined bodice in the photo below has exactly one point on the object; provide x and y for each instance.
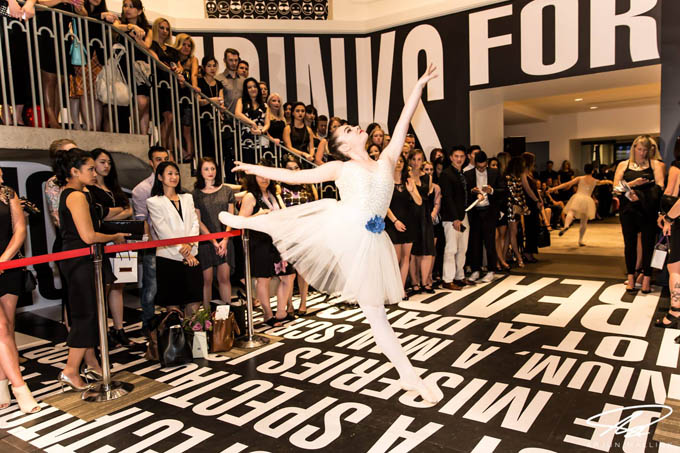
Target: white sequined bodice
(369, 192)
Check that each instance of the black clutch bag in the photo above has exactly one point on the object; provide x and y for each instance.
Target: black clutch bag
(134, 227)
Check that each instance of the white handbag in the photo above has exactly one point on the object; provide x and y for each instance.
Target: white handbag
(125, 267)
(110, 86)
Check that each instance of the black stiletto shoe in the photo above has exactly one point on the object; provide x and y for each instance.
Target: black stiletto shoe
(674, 322)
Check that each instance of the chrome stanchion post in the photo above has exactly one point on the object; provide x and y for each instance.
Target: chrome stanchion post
(253, 341)
(107, 389)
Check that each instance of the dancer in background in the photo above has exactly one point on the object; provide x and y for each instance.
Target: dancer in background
(581, 205)
(341, 246)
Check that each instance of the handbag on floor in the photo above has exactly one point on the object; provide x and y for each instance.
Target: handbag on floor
(168, 343)
(223, 333)
(543, 236)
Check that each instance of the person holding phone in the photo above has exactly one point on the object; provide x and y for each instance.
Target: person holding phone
(486, 186)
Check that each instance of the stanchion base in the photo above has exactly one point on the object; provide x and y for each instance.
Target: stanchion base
(255, 342)
(99, 394)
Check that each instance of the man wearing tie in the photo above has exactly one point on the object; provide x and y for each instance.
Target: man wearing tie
(485, 186)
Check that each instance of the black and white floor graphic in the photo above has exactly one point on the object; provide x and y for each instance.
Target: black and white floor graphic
(527, 364)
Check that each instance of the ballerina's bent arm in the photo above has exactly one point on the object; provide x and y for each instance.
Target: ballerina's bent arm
(393, 150)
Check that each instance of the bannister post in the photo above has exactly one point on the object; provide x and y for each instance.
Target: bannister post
(107, 389)
(253, 341)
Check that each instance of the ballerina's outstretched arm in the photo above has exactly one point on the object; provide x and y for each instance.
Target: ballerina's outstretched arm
(393, 150)
(323, 173)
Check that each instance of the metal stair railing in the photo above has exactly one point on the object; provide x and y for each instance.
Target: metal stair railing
(215, 131)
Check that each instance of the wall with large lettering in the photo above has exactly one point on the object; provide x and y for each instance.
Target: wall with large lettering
(364, 78)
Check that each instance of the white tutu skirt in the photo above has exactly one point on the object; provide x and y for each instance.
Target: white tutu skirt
(582, 206)
(328, 244)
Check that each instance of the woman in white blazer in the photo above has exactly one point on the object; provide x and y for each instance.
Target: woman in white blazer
(173, 215)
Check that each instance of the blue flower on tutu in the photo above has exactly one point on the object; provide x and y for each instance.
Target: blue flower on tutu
(376, 224)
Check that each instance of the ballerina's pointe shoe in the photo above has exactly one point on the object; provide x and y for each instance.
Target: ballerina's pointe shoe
(430, 393)
(4, 394)
(26, 402)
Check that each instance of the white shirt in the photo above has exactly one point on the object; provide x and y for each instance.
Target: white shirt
(168, 224)
(482, 180)
(469, 166)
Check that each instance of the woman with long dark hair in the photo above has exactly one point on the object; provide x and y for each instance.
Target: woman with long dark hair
(252, 110)
(214, 90)
(134, 23)
(297, 136)
(295, 195)
(106, 192)
(188, 69)
(532, 220)
(12, 237)
(639, 200)
(78, 215)
(502, 238)
(172, 213)
(402, 224)
(341, 246)
(265, 261)
(423, 252)
(216, 256)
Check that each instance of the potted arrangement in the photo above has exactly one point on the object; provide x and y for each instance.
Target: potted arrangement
(199, 324)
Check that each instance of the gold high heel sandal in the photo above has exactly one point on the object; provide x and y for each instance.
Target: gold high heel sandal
(66, 381)
(24, 398)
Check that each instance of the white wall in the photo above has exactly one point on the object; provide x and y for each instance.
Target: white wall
(347, 16)
(560, 130)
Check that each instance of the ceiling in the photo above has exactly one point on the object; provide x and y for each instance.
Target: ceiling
(537, 109)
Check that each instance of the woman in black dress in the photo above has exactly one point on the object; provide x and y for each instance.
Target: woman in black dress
(12, 237)
(265, 261)
(252, 111)
(213, 90)
(277, 122)
(435, 202)
(107, 193)
(639, 207)
(402, 224)
(172, 212)
(423, 245)
(297, 136)
(159, 40)
(294, 195)
(210, 198)
(78, 216)
(535, 205)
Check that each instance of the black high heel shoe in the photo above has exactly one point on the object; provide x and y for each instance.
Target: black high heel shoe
(674, 322)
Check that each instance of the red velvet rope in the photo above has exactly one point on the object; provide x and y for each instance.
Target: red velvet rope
(114, 249)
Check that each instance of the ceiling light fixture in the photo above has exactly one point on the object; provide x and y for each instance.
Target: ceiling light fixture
(578, 99)
(593, 107)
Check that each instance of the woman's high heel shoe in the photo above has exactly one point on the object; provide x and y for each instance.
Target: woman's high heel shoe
(673, 324)
(5, 399)
(27, 404)
(66, 381)
(90, 374)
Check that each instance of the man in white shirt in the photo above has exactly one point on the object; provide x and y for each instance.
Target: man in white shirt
(486, 186)
(472, 152)
(140, 193)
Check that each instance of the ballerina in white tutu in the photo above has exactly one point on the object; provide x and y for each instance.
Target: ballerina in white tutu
(581, 205)
(341, 246)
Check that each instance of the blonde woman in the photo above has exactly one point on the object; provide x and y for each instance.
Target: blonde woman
(188, 64)
(159, 41)
(639, 201)
(277, 120)
(376, 137)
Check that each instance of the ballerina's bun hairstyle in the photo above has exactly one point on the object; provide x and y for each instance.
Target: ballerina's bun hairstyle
(64, 161)
(333, 148)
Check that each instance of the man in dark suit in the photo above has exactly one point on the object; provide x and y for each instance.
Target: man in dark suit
(485, 185)
(454, 221)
